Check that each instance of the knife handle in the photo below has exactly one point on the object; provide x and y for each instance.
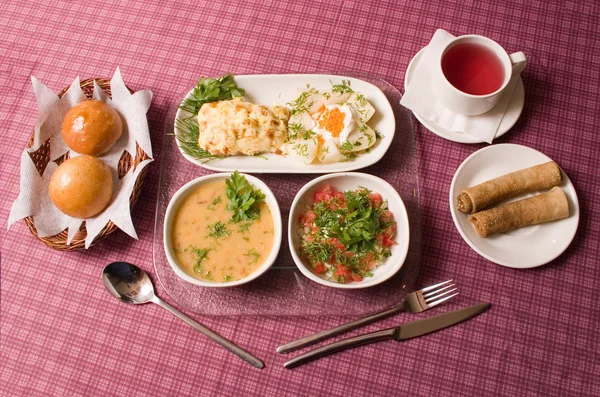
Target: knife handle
(339, 346)
(328, 333)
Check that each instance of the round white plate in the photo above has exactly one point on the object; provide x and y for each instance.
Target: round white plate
(344, 182)
(513, 112)
(523, 248)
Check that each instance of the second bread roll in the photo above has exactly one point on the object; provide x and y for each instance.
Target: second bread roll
(81, 187)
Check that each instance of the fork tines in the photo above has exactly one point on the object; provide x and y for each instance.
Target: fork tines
(438, 293)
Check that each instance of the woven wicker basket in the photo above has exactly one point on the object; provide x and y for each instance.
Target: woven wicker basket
(41, 158)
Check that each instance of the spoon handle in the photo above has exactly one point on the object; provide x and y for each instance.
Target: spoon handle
(227, 344)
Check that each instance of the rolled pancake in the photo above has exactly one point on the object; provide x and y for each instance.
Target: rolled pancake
(486, 194)
(542, 208)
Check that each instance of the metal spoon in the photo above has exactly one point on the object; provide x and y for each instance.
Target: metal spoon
(130, 284)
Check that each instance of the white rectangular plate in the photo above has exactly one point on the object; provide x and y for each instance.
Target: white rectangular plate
(278, 89)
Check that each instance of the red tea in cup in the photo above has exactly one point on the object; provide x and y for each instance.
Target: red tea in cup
(473, 68)
(471, 73)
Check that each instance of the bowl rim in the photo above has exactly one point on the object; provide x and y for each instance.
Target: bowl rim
(391, 270)
(184, 191)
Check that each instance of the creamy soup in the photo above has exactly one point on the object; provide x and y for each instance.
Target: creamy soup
(210, 247)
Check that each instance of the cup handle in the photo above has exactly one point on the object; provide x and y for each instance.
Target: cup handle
(518, 61)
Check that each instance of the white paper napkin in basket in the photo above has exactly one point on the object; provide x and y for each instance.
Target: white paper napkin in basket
(33, 199)
(419, 97)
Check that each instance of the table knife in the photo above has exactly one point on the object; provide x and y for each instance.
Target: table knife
(406, 331)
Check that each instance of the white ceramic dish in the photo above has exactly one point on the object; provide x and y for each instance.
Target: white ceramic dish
(522, 248)
(513, 112)
(278, 89)
(343, 182)
(184, 192)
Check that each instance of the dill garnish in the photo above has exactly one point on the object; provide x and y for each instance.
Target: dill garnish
(215, 201)
(260, 156)
(201, 256)
(187, 133)
(298, 131)
(349, 156)
(218, 230)
(342, 88)
(244, 227)
(254, 256)
(304, 101)
(301, 149)
(346, 146)
(294, 129)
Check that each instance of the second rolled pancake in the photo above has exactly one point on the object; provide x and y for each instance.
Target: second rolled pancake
(544, 207)
(486, 194)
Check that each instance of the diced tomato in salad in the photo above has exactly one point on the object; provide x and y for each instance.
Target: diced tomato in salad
(356, 277)
(308, 218)
(320, 268)
(341, 270)
(335, 243)
(376, 200)
(386, 216)
(346, 235)
(323, 195)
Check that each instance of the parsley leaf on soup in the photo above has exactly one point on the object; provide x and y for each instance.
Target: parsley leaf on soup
(243, 198)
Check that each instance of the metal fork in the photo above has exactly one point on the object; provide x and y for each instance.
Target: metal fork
(415, 302)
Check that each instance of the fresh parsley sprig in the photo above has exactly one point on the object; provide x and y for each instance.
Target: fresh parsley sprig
(211, 90)
(243, 198)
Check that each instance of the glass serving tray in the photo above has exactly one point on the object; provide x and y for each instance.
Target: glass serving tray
(283, 290)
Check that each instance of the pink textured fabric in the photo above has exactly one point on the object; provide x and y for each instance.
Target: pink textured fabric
(61, 333)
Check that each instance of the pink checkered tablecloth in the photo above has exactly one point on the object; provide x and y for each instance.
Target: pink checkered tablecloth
(61, 333)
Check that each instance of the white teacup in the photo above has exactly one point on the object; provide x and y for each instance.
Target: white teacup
(469, 104)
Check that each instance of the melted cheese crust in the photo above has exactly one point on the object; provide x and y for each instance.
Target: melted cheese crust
(236, 127)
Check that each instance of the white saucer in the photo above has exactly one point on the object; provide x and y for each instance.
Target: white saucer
(523, 248)
(513, 112)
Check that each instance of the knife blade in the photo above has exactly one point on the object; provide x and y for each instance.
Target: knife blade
(403, 332)
(432, 324)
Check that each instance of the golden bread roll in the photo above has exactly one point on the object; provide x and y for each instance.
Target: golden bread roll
(91, 127)
(81, 187)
